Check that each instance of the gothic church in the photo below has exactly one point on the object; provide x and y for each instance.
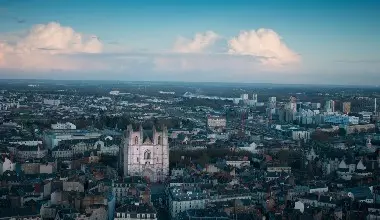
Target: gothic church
(145, 153)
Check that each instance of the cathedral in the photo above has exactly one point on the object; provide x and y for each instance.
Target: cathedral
(145, 153)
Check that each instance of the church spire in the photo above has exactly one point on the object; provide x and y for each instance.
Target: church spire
(141, 133)
(154, 129)
(129, 128)
(164, 130)
(129, 131)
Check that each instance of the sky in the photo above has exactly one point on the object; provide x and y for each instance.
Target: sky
(272, 41)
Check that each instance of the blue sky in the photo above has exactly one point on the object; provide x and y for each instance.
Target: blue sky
(332, 39)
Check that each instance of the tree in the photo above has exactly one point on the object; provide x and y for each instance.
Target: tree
(204, 159)
(342, 132)
(283, 156)
(319, 136)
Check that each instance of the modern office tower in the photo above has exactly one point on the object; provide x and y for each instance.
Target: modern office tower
(346, 107)
(330, 106)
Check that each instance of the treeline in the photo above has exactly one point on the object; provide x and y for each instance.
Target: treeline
(202, 157)
(215, 103)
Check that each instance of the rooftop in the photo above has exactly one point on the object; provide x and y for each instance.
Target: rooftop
(136, 208)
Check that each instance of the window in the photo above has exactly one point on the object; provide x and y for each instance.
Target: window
(147, 155)
(159, 140)
(136, 140)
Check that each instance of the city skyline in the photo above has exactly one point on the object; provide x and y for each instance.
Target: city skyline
(239, 41)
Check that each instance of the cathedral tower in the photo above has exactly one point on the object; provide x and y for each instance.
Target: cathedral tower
(145, 153)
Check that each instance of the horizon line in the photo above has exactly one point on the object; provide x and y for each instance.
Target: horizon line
(193, 82)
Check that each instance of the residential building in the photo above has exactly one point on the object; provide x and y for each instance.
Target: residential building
(254, 98)
(63, 126)
(330, 106)
(272, 102)
(136, 211)
(338, 119)
(181, 200)
(216, 122)
(300, 134)
(244, 96)
(52, 102)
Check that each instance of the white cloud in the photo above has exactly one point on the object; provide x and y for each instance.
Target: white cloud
(266, 45)
(198, 44)
(52, 46)
(41, 47)
(59, 39)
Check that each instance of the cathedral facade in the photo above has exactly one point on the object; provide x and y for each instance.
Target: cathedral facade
(145, 153)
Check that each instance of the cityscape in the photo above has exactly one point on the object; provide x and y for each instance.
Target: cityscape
(140, 150)
(189, 110)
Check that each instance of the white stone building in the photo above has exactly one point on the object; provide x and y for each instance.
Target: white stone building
(52, 101)
(250, 148)
(145, 153)
(120, 191)
(181, 200)
(106, 148)
(64, 126)
(300, 135)
(135, 211)
(27, 143)
(216, 122)
(279, 169)
(114, 92)
(63, 152)
(30, 152)
(238, 163)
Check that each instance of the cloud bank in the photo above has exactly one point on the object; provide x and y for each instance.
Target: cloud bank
(198, 44)
(265, 44)
(42, 46)
(55, 47)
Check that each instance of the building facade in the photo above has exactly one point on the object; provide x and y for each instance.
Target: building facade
(272, 102)
(216, 122)
(346, 107)
(330, 106)
(300, 135)
(145, 153)
(66, 125)
(341, 119)
(254, 98)
(55, 102)
(244, 96)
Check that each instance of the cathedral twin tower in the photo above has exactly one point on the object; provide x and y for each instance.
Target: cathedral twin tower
(145, 153)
